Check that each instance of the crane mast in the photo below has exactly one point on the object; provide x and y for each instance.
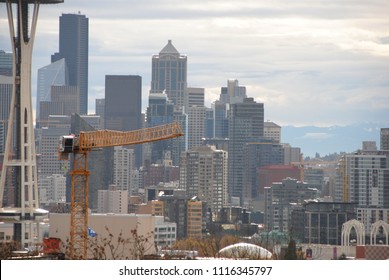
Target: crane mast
(80, 146)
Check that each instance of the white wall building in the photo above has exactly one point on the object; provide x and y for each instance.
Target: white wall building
(112, 201)
(116, 224)
(165, 233)
(52, 188)
(124, 165)
(196, 124)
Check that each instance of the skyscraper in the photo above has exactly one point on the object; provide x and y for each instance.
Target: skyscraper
(220, 118)
(169, 74)
(160, 111)
(123, 106)
(194, 107)
(263, 152)
(123, 167)
(233, 93)
(5, 108)
(54, 74)
(363, 178)
(73, 46)
(245, 125)
(203, 173)
(196, 126)
(64, 101)
(6, 63)
(384, 139)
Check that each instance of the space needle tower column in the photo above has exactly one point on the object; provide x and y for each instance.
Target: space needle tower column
(19, 156)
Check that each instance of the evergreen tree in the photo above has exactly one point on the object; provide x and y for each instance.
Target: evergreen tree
(291, 251)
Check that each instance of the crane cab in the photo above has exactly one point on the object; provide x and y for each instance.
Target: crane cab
(66, 144)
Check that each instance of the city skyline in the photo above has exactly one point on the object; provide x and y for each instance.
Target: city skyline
(323, 63)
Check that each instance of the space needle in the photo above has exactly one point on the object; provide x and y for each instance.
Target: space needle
(19, 164)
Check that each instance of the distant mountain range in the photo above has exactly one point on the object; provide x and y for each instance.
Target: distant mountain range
(329, 140)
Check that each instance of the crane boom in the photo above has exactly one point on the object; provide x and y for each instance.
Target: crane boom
(80, 146)
(110, 138)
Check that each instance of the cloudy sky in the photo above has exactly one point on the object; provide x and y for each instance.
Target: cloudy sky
(311, 62)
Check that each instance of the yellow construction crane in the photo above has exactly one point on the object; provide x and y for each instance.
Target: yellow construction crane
(80, 146)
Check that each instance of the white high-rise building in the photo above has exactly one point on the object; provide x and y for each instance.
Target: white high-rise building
(363, 178)
(112, 200)
(123, 167)
(203, 173)
(52, 188)
(196, 123)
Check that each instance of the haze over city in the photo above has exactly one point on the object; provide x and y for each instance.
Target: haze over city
(319, 63)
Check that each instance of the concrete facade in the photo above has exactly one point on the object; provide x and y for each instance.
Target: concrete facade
(116, 224)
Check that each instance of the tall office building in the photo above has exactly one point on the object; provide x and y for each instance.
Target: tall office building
(6, 62)
(160, 111)
(6, 84)
(169, 74)
(320, 222)
(124, 166)
(73, 47)
(64, 101)
(220, 111)
(5, 108)
(245, 125)
(203, 173)
(257, 154)
(99, 109)
(196, 126)
(49, 162)
(384, 139)
(291, 154)
(209, 123)
(363, 178)
(123, 106)
(194, 97)
(52, 189)
(194, 107)
(272, 131)
(54, 74)
(112, 200)
(280, 200)
(233, 93)
(180, 144)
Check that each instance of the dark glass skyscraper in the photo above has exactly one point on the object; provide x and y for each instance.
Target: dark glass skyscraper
(169, 74)
(160, 111)
(245, 125)
(73, 46)
(123, 105)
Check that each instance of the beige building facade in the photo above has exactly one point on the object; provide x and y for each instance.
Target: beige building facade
(116, 224)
